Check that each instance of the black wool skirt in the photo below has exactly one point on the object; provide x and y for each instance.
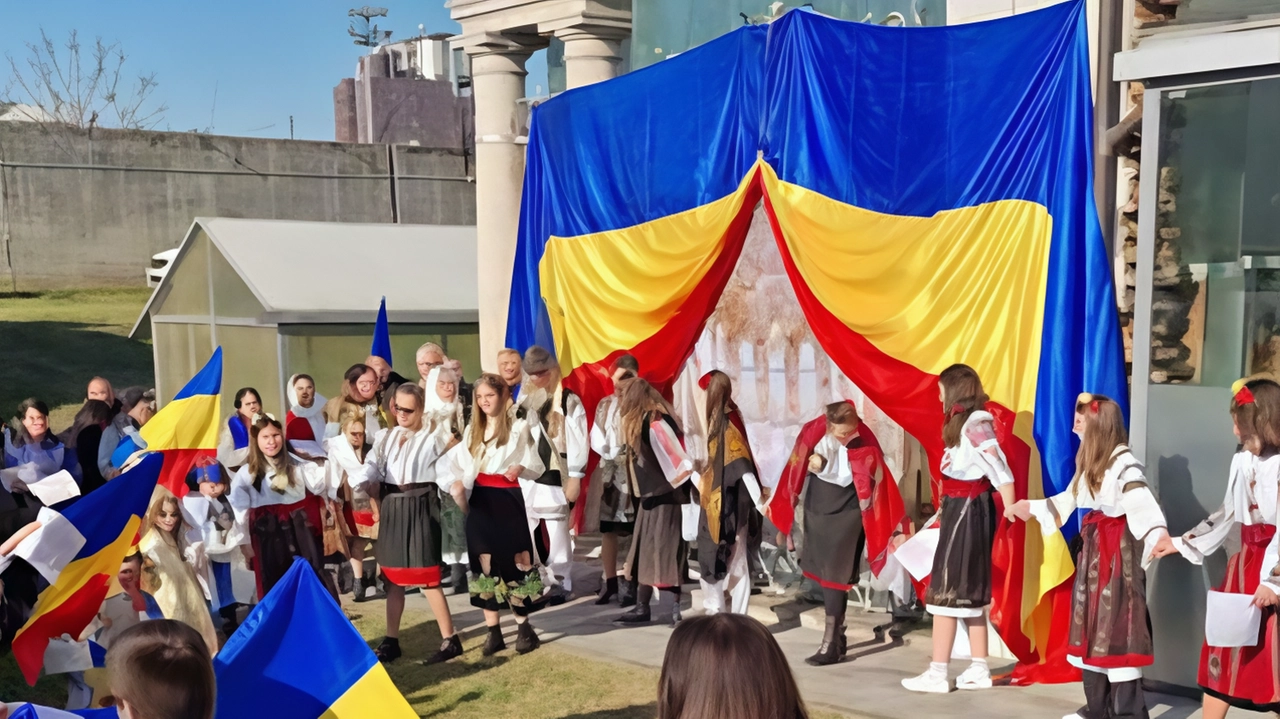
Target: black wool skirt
(504, 563)
(831, 554)
(409, 536)
(961, 577)
(658, 546)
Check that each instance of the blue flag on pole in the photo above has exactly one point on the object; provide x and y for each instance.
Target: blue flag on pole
(382, 335)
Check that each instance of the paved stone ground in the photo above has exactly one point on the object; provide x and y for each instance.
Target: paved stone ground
(865, 685)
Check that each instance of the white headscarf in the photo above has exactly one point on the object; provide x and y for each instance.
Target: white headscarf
(313, 414)
(436, 409)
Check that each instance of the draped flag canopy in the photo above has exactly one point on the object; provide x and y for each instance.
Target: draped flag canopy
(930, 191)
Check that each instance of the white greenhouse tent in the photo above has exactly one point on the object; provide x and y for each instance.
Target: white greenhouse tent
(283, 297)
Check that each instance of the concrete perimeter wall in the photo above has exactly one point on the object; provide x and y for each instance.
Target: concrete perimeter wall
(81, 209)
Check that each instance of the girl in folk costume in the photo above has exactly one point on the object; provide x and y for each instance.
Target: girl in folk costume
(611, 484)
(960, 583)
(403, 466)
(278, 499)
(233, 440)
(1109, 637)
(729, 493)
(305, 420)
(560, 434)
(225, 574)
(1245, 677)
(29, 445)
(169, 575)
(658, 469)
(444, 411)
(496, 452)
(845, 465)
(360, 396)
(344, 474)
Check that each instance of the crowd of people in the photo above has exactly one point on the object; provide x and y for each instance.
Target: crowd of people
(440, 484)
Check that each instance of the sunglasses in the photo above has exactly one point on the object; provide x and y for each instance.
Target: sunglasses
(404, 410)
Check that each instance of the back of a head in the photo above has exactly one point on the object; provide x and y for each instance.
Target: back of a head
(161, 670)
(726, 666)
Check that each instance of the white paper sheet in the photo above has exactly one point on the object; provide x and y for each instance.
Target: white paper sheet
(64, 655)
(1231, 620)
(308, 448)
(916, 554)
(25, 472)
(55, 488)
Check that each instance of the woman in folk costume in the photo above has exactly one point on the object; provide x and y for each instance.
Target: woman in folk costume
(403, 466)
(225, 574)
(560, 434)
(233, 440)
(960, 583)
(611, 484)
(1110, 638)
(659, 469)
(1245, 677)
(359, 395)
(305, 420)
(496, 452)
(344, 474)
(729, 492)
(444, 411)
(170, 575)
(278, 500)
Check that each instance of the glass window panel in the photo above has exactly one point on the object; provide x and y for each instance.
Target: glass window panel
(188, 283)
(249, 359)
(181, 350)
(1195, 11)
(231, 296)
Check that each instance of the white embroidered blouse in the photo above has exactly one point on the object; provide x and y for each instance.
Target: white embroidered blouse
(978, 455)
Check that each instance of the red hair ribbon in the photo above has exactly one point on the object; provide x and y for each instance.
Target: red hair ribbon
(1093, 406)
(1244, 396)
(704, 380)
(957, 409)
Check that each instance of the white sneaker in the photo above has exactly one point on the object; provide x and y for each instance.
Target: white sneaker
(930, 683)
(975, 677)
(1073, 715)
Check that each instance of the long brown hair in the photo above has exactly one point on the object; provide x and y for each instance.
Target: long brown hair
(259, 463)
(162, 669)
(1259, 420)
(158, 502)
(637, 403)
(1103, 432)
(480, 420)
(962, 395)
(719, 396)
(349, 379)
(726, 666)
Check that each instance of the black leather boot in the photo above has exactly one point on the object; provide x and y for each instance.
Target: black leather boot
(494, 643)
(526, 639)
(608, 591)
(829, 650)
(638, 614)
(449, 648)
(627, 593)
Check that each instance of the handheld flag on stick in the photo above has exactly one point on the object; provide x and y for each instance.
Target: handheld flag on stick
(33, 711)
(382, 335)
(79, 552)
(298, 657)
(186, 429)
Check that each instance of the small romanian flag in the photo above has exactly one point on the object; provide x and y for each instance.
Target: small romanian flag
(297, 656)
(186, 429)
(79, 551)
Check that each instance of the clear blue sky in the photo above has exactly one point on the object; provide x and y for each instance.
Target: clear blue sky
(268, 59)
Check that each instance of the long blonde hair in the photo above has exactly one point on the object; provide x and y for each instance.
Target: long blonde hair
(1103, 432)
(161, 498)
(480, 420)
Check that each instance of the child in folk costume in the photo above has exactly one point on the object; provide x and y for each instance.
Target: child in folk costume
(344, 473)
(233, 440)
(496, 452)
(560, 435)
(403, 466)
(659, 470)
(444, 410)
(278, 499)
(844, 465)
(1245, 677)
(960, 583)
(1109, 637)
(612, 485)
(226, 576)
(305, 421)
(169, 575)
(729, 492)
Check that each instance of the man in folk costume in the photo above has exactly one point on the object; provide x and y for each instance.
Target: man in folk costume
(610, 484)
(729, 492)
(560, 433)
(852, 502)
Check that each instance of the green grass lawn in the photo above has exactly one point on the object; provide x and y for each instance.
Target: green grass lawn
(52, 343)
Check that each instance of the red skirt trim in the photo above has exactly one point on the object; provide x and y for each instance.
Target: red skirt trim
(361, 519)
(829, 585)
(1114, 662)
(495, 481)
(311, 504)
(413, 576)
(964, 489)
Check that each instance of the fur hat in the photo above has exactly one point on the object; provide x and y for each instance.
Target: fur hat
(538, 359)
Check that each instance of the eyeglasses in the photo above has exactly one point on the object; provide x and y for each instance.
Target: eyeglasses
(404, 410)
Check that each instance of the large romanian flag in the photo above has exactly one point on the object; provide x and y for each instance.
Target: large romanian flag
(930, 191)
(79, 551)
(298, 657)
(186, 428)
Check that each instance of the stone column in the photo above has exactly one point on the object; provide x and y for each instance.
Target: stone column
(497, 83)
(590, 54)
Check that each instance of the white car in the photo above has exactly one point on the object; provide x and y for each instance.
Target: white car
(160, 266)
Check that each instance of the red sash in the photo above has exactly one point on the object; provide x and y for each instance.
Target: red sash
(965, 489)
(1110, 531)
(1257, 535)
(496, 481)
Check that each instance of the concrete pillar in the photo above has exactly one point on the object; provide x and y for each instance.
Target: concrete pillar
(590, 55)
(497, 83)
